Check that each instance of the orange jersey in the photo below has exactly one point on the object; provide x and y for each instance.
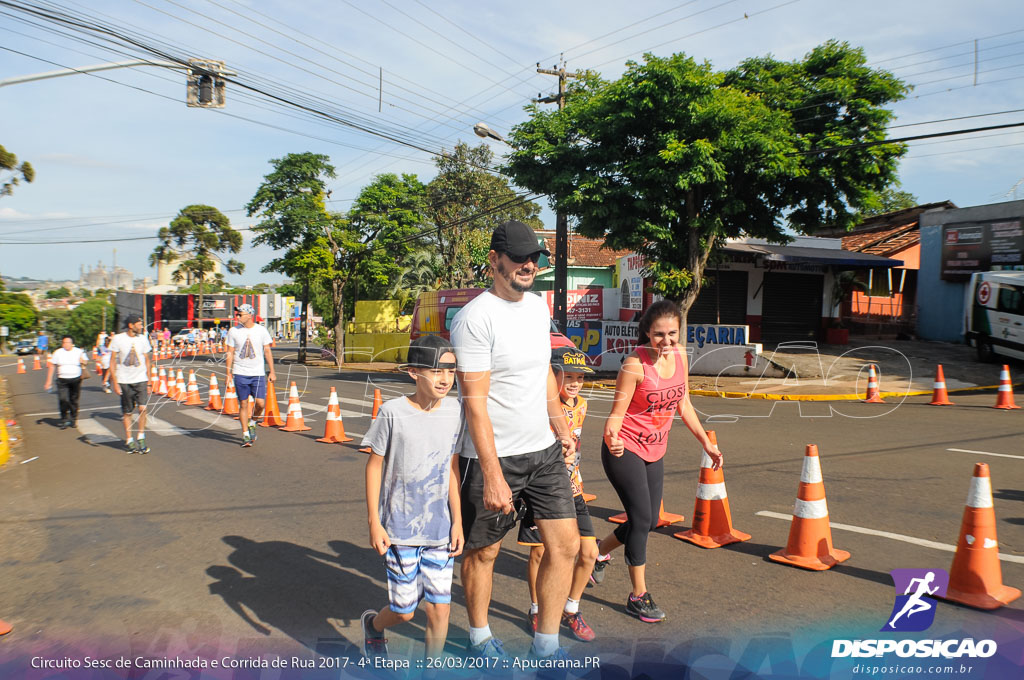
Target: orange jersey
(574, 416)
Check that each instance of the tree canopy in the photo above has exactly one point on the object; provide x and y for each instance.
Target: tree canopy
(11, 172)
(58, 293)
(674, 157)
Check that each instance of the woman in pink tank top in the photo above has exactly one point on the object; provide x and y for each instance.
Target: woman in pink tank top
(652, 386)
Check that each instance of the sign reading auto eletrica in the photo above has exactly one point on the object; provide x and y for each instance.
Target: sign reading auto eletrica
(981, 246)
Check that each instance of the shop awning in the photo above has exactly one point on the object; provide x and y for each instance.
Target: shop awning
(821, 256)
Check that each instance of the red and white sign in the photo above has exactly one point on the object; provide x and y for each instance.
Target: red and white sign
(984, 293)
(581, 305)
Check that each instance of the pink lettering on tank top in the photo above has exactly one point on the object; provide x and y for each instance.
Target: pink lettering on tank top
(649, 415)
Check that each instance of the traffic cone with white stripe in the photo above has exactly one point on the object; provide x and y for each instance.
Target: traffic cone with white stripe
(377, 402)
(99, 367)
(172, 385)
(35, 363)
(295, 422)
(976, 579)
(193, 398)
(154, 380)
(712, 521)
(21, 365)
(664, 518)
(1005, 398)
(162, 389)
(810, 535)
(334, 430)
(214, 403)
(939, 395)
(271, 411)
(180, 389)
(873, 395)
(230, 398)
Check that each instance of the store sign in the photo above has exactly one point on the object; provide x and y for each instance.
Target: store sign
(213, 304)
(581, 305)
(631, 281)
(969, 247)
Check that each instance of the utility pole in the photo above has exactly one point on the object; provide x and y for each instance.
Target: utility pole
(561, 223)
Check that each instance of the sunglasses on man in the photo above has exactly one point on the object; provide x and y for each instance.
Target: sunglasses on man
(521, 259)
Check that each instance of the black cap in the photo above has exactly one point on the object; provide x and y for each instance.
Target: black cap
(517, 239)
(426, 352)
(570, 359)
(132, 318)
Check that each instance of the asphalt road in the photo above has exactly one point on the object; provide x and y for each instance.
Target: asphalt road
(204, 547)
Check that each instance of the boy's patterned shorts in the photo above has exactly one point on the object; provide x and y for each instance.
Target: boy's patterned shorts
(416, 573)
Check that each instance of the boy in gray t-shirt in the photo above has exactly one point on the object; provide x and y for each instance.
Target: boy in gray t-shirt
(412, 498)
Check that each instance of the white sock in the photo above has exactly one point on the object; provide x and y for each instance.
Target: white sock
(545, 644)
(534, 608)
(572, 606)
(478, 635)
(130, 440)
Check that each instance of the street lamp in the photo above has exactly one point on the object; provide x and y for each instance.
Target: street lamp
(561, 244)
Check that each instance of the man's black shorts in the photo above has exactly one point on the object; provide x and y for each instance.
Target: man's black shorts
(132, 395)
(537, 479)
(529, 534)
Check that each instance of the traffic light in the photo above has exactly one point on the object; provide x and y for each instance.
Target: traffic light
(206, 84)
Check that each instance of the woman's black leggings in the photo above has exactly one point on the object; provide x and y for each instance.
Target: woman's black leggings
(639, 485)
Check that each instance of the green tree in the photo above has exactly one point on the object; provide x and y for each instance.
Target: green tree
(83, 293)
(58, 293)
(674, 158)
(11, 173)
(14, 298)
(18, 318)
(89, 318)
(195, 239)
(889, 199)
(56, 322)
(464, 204)
(421, 272)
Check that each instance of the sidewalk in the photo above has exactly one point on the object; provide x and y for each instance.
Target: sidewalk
(832, 372)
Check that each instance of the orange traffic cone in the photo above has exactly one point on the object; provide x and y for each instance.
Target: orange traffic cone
(5, 627)
(589, 497)
(172, 385)
(35, 363)
(214, 403)
(162, 388)
(810, 535)
(21, 365)
(712, 521)
(1005, 398)
(180, 390)
(295, 422)
(976, 579)
(154, 380)
(664, 518)
(377, 401)
(230, 398)
(193, 391)
(99, 367)
(873, 396)
(334, 430)
(271, 411)
(939, 395)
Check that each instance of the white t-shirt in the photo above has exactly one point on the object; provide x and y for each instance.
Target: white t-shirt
(247, 345)
(68, 362)
(511, 340)
(131, 358)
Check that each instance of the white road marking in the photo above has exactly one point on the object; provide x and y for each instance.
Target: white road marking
(161, 427)
(95, 432)
(987, 453)
(214, 418)
(57, 413)
(29, 460)
(886, 534)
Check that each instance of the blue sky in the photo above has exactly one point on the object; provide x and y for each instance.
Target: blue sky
(118, 154)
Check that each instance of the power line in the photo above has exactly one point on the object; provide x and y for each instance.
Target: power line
(978, 148)
(900, 140)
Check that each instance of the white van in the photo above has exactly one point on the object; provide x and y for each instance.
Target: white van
(994, 314)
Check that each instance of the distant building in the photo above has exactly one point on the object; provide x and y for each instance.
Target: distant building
(165, 274)
(113, 278)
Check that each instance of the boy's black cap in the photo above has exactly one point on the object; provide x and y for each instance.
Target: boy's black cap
(570, 359)
(515, 238)
(426, 352)
(132, 318)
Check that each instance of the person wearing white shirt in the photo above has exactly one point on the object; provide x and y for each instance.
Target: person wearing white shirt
(248, 347)
(71, 366)
(130, 367)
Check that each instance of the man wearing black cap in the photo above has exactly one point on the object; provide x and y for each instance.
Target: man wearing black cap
(130, 366)
(510, 455)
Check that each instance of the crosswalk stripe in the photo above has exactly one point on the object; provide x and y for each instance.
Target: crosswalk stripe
(95, 432)
(217, 420)
(162, 428)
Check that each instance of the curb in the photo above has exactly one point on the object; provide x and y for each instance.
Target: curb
(5, 435)
(831, 397)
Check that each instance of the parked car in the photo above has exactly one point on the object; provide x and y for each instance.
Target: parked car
(25, 347)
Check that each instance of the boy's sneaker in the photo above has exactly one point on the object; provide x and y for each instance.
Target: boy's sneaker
(532, 616)
(246, 440)
(106, 388)
(491, 648)
(560, 654)
(597, 575)
(375, 645)
(142, 446)
(131, 447)
(252, 432)
(578, 626)
(643, 608)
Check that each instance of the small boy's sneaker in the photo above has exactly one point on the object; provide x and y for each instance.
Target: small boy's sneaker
(597, 575)
(491, 648)
(142, 446)
(643, 608)
(131, 446)
(375, 645)
(246, 440)
(106, 388)
(252, 432)
(532, 616)
(578, 626)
